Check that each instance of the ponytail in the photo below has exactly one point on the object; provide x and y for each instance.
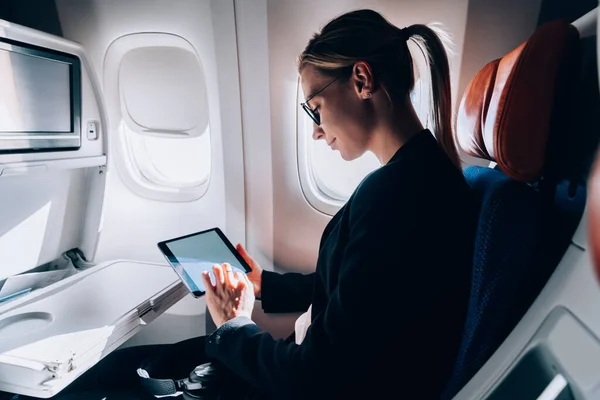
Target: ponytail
(441, 96)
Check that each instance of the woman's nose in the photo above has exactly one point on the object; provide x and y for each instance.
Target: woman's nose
(318, 132)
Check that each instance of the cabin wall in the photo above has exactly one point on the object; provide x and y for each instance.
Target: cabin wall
(253, 52)
(131, 224)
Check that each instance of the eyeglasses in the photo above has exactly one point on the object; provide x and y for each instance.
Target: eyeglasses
(313, 114)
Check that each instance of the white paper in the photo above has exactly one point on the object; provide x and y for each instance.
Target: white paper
(33, 280)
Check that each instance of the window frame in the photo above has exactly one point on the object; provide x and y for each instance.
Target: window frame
(126, 163)
(139, 183)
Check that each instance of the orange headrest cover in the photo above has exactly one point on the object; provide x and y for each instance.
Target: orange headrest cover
(506, 112)
(593, 218)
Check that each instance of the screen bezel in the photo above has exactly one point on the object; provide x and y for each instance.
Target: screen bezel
(49, 145)
(163, 246)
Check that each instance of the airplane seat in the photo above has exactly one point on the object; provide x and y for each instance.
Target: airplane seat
(516, 112)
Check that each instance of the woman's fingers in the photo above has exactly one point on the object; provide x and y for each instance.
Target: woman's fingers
(247, 280)
(230, 280)
(219, 274)
(207, 283)
(226, 278)
(242, 280)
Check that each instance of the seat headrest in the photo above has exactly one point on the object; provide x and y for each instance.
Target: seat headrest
(593, 201)
(506, 112)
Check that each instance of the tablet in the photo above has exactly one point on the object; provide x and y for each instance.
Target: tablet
(192, 254)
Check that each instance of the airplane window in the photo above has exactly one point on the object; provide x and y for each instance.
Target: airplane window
(164, 145)
(326, 178)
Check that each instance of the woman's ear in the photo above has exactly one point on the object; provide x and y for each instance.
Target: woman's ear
(362, 78)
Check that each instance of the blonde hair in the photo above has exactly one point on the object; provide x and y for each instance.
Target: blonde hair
(365, 35)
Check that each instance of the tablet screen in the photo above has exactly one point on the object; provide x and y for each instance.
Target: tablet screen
(193, 254)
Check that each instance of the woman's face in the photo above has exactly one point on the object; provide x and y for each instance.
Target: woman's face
(345, 122)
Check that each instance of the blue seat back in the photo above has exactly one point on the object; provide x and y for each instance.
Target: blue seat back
(508, 241)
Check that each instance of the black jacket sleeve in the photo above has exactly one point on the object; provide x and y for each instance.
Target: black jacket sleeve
(344, 339)
(289, 292)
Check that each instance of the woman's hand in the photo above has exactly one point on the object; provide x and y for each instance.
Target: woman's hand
(231, 296)
(255, 275)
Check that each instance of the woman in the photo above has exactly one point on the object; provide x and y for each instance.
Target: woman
(388, 300)
(385, 309)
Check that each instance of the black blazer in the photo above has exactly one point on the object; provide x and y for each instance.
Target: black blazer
(389, 293)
